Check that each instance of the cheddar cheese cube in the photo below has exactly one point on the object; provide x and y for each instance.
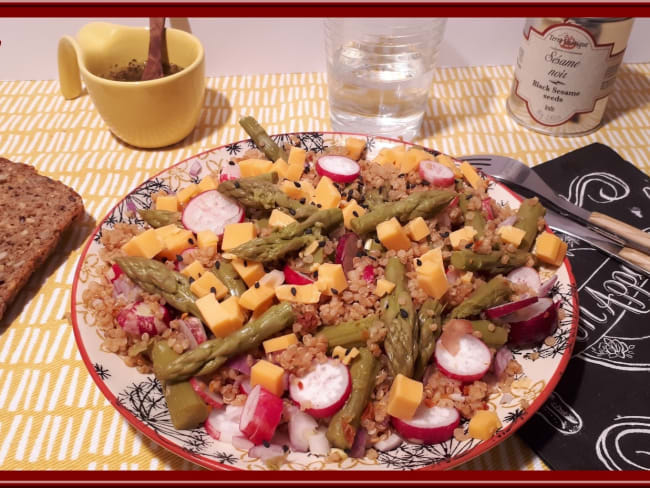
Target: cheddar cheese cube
(193, 270)
(297, 155)
(298, 293)
(404, 397)
(298, 190)
(279, 343)
(281, 167)
(167, 230)
(167, 202)
(433, 255)
(331, 279)
(339, 352)
(432, 279)
(294, 173)
(177, 242)
(447, 161)
(385, 156)
(236, 234)
(417, 229)
(206, 184)
(510, 234)
(146, 245)
(392, 235)
(461, 237)
(384, 287)
(255, 167)
(222, 318)
(547, 247)
(484, 424)
(256, 296)
(351, 211)
(280, 219)
(208, 283)
(413, 158)
(249, 271)
(355, 147)
(470, 174)
(187, 193)
(560, 254)
(326, 195)
(206, 238)
(263, 307)
(269, 376)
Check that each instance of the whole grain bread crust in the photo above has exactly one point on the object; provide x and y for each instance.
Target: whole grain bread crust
(36, 210)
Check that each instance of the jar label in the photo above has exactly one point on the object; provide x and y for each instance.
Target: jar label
(562, 72)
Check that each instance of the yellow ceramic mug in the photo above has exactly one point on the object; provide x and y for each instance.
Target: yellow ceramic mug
(146, 114)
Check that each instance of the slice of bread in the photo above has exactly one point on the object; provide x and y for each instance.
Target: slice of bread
(35, 210)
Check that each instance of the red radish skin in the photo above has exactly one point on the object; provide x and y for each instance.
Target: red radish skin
(338, 168)
(369, 273)
(510, 307)
(531, 325)
(436, 173)
(230, 171)
(470, 363)
(428, 425)
(293, 277)
(193, 329)
(223, 424)
(210, 398)
(117, 272)
(346, 250)
(140, 318)
(210, 210)
(324, 390)
(245, 386)
(261, 415)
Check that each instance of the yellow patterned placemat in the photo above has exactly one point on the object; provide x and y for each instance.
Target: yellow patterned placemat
(52, 416)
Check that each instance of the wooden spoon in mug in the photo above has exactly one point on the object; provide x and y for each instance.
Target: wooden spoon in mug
(153, 68)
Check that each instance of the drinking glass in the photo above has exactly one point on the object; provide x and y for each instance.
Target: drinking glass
(380, 72)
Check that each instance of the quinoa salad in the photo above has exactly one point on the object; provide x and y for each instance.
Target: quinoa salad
(324, 303)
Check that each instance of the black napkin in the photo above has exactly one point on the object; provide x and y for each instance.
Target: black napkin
(598, 417)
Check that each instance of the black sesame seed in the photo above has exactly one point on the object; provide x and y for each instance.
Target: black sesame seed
(444, 234)
(231, 163)
(403, 313)
(386, 307)
(468, 245)
(468, 197)
(355, 213)
(319, 205)
(425, 183)
(418, 262)
(381, 189)
(377, 240)
(360, 253)
(321, 243)
(292, 211)
(303, 200)
(245, 263)
(294, 291)
(213, 289)
(316, 274)
(191, 280)
(309, 231)
(237, 185)
(179, 258)
(266, 444)
(21, 219)
(372, 257)
(334, 291)
(401, 175)
(217, 265)
(191, 241)
(285, 448)
(257, 285)
(296, 184)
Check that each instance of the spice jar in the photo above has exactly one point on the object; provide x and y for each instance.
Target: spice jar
(565, 71)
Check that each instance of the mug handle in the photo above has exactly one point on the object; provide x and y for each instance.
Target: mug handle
(69, 77)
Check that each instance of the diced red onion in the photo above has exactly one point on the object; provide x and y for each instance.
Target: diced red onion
(130, 205)
(301, 427)
(266, 453)
(389, 443)
(346, 250)
(501, 360)
(358, 449)
(195, 169)
(240, 363)
(318, 443)
(230, 172)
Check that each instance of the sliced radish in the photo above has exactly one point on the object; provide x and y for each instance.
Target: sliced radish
(428, 425)
(210, 210)
(369, 273)
(547, 286)
(261, 415)
(486, 205)
(223, 424)
(301, 427)
(141, 318)
(318, 443)
(230, 171)
(245, 386)
(525, 276)
(389, 443)
(193, 329)
(201, 389)
(115, 272)
(533, 324)
(122, 285)
(346, 250)
(273, 278)
(436, 173)
(501, 360)
(510, 307)
(338, 168)
(324, 390)
(470, 363)
(293, 277)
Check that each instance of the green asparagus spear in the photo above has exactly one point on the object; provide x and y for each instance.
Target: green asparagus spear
(467, 260)
(156, 278)
(398, 314)
(186, 408)
(291, 238)
(348, 334)
(261, 139)
(430, 313)
(229, 277)
(210, 355)
(493, 335)
(527, 216)
(159, 218)
(494, 292)
(261, 192)
(474, 218)
(424, 204)
(344, 424)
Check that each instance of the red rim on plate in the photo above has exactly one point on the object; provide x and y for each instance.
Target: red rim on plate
(479, 449)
